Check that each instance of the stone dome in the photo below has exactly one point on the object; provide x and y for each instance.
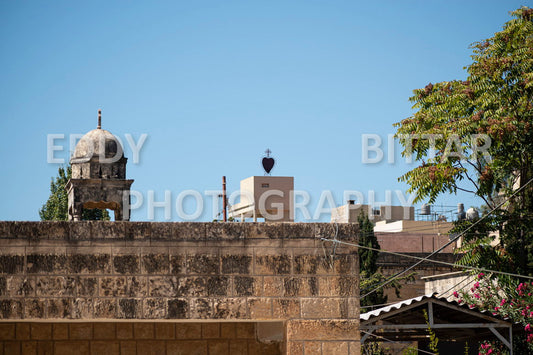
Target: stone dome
(98, 144)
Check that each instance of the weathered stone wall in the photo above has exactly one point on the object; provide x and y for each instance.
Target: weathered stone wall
(87, 271)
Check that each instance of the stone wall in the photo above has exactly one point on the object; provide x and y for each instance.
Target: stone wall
(392, 264)
(115, 338)
(182, 272)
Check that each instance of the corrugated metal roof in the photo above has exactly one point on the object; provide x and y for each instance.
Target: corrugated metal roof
(368, 315)
(377, 312)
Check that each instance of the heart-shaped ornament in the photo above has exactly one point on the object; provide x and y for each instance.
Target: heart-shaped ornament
(268, 164)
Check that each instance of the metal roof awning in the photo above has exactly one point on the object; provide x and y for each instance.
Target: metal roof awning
(451, 321)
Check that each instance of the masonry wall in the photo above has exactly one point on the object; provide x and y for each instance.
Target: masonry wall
(90, 272)
(114, 338)
(415, 286)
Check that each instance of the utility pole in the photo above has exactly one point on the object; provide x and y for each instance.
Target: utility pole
(224, 199)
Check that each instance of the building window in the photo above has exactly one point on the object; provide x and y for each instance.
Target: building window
(376, 212)
(265, 185)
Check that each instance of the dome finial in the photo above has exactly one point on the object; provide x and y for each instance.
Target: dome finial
(99, 119)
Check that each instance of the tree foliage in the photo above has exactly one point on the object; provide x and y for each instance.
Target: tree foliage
(491, 109)
(367, 258)
(476, 135)
(56, 207)
(368, 268)
(493, 106)
(512, 300)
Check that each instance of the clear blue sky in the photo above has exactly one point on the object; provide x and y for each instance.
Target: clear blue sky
(215, 83)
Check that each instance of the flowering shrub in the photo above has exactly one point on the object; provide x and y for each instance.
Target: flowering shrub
(513, 301)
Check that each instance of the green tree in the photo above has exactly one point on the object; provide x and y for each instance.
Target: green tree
(56, 207)
(476, 135)
(368, 268)
(367, 258)
(370, 274)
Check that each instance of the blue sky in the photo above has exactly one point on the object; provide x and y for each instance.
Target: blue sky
(215, 83)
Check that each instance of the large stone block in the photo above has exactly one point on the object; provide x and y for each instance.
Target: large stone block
(155, 308)
(235, 263)
(54, 286)
(81, 331)
(129, 308)
(89, 263)
(203, 264)
(321, 308)
(34, 308)
(126, 264)
(201, 308)
(59, 308)
(272, 264)
(143, 331)
(247, 286)
(177, 308)
(105, 308)
(17, 286)
(260, 308)
(188, 331)
(230, 308)
(7, 331)
(105, 347)
(156, 263)
(165, 331)
(103, 331)
(328, 330)
(41, 331)
(11, 264)
(163, 286)
(47, 263)
(195, 347)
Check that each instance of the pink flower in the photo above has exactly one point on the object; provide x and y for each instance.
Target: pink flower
(528, 327)
(476, 285)
(502, 302)
(480, 275)
(490, 351)
(476, 295)
(459, 301)
(455, 294)
(496, 308)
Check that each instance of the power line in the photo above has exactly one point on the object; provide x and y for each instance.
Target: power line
(422, 259)
(390, 279)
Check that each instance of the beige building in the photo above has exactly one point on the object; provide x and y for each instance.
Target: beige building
(414, 227)
(349, 213)
(268, 197)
